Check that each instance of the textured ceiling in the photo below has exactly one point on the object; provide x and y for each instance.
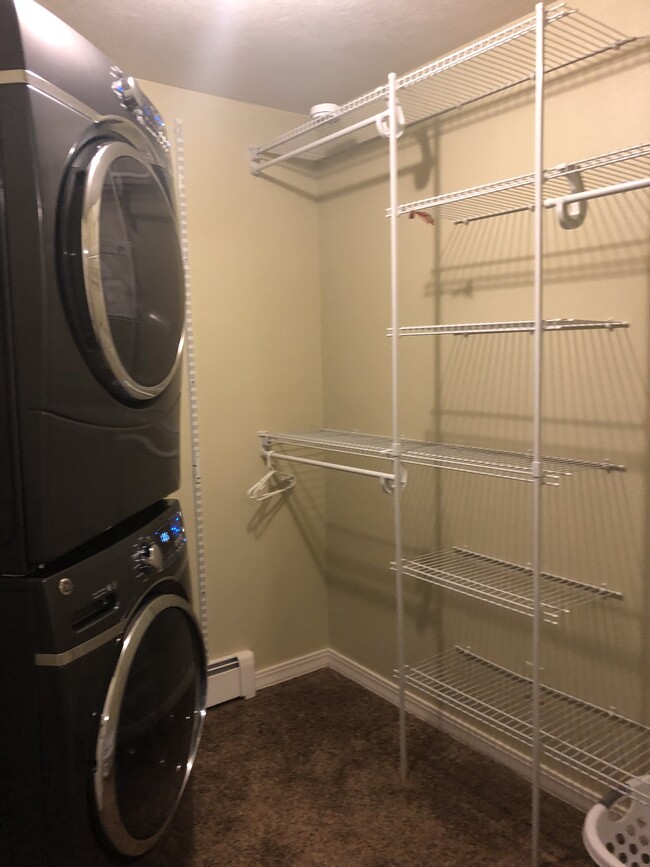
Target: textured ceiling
(288, 54)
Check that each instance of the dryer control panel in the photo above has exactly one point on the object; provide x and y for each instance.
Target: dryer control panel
(155, 552)
(145, 112)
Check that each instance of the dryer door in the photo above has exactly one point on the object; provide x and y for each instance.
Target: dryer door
(150, 725)
(122, 268)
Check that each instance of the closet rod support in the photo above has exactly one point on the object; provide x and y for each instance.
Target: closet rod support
(582, 196)
(383, 122)
(571, 211)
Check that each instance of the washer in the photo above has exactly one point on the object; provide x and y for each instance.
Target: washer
(103, 703)
(91, 294)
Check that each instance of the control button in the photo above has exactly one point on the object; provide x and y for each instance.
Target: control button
(150, 557)
(128, 91)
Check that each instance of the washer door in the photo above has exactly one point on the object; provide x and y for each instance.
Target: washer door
(122, 268)
(151, 724)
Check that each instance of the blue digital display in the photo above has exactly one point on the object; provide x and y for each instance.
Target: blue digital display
(165, 537)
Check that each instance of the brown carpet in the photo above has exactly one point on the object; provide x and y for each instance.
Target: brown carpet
(306, 774)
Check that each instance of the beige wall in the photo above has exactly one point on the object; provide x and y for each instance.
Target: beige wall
(253, 250)
(478, 390)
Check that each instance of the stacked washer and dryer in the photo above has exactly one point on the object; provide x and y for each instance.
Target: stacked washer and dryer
(102, 666)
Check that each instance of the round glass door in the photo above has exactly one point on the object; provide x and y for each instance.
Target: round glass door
(150, 725)
(125, 236)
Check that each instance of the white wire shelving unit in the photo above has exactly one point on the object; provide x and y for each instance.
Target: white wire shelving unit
(451, 456)
(604, 747)
(487, 67)
(507, 585)
(598, 743)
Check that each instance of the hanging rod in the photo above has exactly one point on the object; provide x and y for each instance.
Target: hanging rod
(257, 167)
(387, 480)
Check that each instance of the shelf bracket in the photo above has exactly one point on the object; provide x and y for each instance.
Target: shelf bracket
(382, 122)
(571, 214)
(388, 484)
(582, 196)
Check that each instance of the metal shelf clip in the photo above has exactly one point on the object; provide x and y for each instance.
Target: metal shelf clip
(382, 122)
(571, 214)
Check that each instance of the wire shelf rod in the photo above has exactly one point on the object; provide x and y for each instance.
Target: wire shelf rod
(615, 172)
(478, 709)
(583, 760)
(473, 590)
(462, 55)
(453, 456)
(502, 583)
(526, 326)
(594, 741)
(487, 67)
(480, 696)
(325, 140)
(313, 126)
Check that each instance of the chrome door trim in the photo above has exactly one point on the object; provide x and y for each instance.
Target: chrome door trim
(104, 775)
(91, 266)
(24, 76)
(60, 659)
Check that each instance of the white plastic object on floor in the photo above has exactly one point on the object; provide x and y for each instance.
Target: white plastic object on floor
(617, 830)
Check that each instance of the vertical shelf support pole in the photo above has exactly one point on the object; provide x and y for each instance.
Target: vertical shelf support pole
(537, 428)
(394, 130)
(190, 360)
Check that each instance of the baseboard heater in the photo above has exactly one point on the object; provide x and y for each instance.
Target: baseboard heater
(231, 677)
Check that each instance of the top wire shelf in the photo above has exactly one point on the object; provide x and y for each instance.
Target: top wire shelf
(616, 171)
(502, 60)
(451, 456)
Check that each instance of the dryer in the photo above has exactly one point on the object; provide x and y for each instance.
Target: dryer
(102, 698)
(91, 294)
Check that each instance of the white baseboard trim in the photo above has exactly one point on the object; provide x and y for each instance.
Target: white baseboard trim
(446, 722)
(275, 674)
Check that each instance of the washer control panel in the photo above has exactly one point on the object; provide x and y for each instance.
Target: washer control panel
(154, 552)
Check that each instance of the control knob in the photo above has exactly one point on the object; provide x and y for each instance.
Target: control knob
(149, 557)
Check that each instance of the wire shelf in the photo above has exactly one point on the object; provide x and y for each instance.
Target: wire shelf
(527, 326)
(315, 135)
(502, 60)
(599, 743)
(452, 456)
(504, 584)
(511, 195)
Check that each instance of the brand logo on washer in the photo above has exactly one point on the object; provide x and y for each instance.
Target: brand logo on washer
(66, 586)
